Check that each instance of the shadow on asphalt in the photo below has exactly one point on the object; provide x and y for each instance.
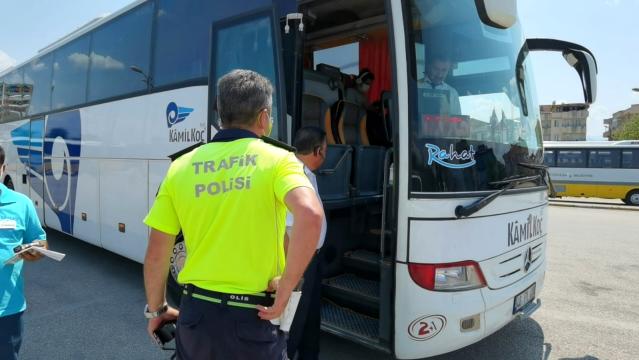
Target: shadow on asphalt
(522, 339)
(75, 315)
(89, 306)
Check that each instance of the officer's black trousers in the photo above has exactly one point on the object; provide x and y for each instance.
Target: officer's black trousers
(207, 331)
(305, 330)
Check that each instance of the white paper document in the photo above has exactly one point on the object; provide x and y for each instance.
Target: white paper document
(286, 319)
(57, 256)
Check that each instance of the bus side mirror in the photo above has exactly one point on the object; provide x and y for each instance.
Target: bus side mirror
(586, 66)
(577, 56)
(500, 14)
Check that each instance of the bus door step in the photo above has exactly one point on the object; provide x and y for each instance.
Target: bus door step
(362, 261)
(351, 325)
(354, 292)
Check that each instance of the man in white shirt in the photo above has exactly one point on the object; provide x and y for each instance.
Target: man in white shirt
(436, 72)
(311, 146)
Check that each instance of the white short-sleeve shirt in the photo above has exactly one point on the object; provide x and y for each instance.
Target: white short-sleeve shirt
(455, 106)
(289, 215)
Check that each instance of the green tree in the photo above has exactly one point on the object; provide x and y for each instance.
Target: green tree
(629, 130)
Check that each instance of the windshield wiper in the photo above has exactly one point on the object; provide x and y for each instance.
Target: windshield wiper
(544, 173)
(465, 211)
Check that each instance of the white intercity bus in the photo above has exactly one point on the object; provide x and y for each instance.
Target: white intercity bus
(435, 193)
(608, 170)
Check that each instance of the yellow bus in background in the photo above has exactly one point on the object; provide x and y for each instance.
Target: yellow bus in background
(602, 169)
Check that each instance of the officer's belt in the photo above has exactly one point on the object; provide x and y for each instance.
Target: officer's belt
(248, 301)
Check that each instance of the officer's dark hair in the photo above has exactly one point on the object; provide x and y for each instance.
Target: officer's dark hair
(309, 139)
(1, 156)
(241, 95)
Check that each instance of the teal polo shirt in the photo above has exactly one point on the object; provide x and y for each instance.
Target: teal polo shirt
(19, 224)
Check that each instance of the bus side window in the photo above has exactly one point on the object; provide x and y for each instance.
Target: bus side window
(571, 158)
(630, 159)
(603, 159)
(117, 46)
(549, 158)
(37, 76)
(70, 69)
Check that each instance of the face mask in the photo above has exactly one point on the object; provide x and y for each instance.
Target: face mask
(364, 88)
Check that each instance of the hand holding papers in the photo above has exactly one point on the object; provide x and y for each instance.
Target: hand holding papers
(286, 319)
(35, 247)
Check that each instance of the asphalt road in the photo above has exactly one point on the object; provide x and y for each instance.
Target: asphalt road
(90, 305)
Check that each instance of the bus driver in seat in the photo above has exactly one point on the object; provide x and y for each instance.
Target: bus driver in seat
(437, 68)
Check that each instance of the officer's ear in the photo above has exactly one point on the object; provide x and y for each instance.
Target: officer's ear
(262, 120)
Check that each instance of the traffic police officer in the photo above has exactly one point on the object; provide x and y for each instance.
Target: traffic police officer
(229, 198)
(19, 224)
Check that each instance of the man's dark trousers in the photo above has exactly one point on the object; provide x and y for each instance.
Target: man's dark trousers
(305, 331)
(207, 330)
(10, 336)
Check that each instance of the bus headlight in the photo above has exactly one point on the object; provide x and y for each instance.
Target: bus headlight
(465, 275)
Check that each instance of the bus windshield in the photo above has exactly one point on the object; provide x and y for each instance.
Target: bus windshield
(467, 126)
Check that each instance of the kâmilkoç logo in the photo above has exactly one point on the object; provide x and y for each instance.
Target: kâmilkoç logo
(176, 114)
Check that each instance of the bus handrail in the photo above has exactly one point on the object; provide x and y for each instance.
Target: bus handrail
(382, 243)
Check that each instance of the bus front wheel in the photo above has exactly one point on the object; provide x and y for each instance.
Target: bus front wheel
(176, 263)
(632, 198)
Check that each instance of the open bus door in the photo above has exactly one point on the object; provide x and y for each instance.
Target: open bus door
(250, 41)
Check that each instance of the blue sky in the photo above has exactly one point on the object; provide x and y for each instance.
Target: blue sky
(606, 27)
(609, 29)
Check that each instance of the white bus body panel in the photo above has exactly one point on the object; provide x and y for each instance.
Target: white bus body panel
(497, 237)
(494, 308)
(435, 239)
(88, 202)
(157, 171)
(15, 167)
(128, 210)
(595, 176)
(126, 145)
(11, 153)
(608, 183)
(106, 162)
(137, 128)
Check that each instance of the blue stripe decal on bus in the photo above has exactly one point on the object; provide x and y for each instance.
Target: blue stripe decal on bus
(61, 191)
(59, 194)
(24, 143)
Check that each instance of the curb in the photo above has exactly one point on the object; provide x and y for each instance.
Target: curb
(591, 206)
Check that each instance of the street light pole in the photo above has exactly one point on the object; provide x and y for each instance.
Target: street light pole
(147, 78)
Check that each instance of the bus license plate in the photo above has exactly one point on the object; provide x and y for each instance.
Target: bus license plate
(524, 298)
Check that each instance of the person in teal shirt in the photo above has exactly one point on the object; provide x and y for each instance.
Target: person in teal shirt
(19, 224)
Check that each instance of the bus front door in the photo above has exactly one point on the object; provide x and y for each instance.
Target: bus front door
(250, 41)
